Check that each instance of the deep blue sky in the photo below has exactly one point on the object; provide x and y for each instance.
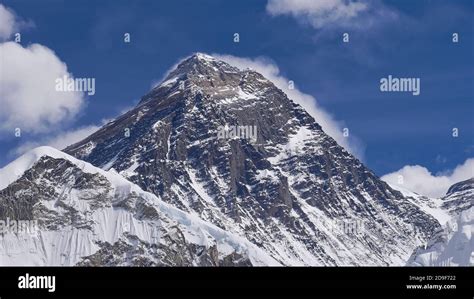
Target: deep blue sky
(397, 129)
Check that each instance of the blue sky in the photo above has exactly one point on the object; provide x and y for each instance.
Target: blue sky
(401, 38)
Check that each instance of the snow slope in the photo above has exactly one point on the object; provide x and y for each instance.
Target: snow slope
(452, 246)
(111, 217)
(431, 206)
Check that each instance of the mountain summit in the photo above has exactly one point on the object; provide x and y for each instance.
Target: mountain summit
(292, 190)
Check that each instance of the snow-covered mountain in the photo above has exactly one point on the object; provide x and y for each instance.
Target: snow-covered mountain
(452, 245)
(290, 189)
(87, 216)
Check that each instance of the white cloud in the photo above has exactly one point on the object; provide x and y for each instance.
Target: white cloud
(28, 98)
(318, 13)
(333, 13)
(10, 23)
(420, 180)
(271, 71)
(60, 141)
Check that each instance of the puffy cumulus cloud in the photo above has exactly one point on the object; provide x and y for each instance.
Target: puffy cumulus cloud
(59, 141)
(10, 23)
(28, 96)
(271, 71)
(331, 12)
(420, 180)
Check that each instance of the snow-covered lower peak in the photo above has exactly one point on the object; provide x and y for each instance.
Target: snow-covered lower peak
(451, 246)
(17, 168)
(84, 215)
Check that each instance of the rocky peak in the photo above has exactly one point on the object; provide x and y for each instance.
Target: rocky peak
(210, 77)
(283, 192)
(461, 186)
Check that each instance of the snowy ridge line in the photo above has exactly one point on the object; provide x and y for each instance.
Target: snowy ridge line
(17, 168)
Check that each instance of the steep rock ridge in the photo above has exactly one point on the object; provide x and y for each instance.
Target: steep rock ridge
(86, 216)
(294, 192)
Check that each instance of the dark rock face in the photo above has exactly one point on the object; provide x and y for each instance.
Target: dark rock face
(289, 192)
(137, 253)
(459, 197)
(461, 187)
